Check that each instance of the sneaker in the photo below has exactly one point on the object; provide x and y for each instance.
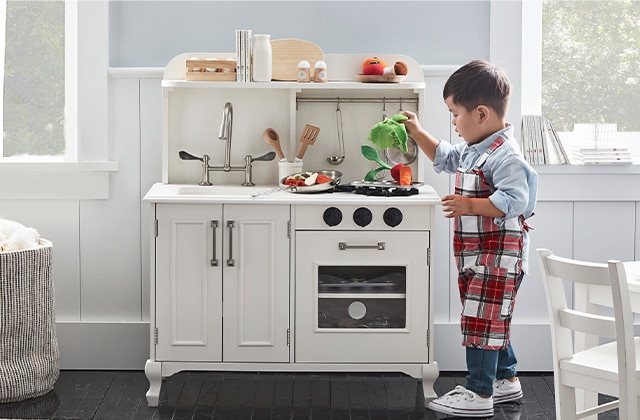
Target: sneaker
(504, 390)
(462, 403)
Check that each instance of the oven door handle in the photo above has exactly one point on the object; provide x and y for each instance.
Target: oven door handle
(343, 246)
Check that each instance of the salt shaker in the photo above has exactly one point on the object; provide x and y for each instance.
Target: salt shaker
(320, 72)
(304, 71)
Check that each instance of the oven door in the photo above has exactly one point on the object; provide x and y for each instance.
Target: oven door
(362, 296)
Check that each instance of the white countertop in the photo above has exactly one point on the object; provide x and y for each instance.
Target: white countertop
(271, 194)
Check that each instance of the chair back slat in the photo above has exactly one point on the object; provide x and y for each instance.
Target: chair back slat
(604, 326)
(578, 271)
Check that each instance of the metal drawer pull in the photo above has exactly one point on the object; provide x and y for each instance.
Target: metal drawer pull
(214, 256)
(342, 246)
(230, 261)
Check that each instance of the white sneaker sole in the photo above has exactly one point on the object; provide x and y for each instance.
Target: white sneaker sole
(516, 395)
(461, 412)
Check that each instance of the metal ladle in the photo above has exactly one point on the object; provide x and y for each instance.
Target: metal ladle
(337, 160)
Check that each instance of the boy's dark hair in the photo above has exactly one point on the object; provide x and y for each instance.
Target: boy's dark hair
(479, 83)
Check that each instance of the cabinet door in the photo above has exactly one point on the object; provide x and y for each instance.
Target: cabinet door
(256, 283)
(188, 287)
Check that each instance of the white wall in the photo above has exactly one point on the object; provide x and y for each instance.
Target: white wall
(150, 33)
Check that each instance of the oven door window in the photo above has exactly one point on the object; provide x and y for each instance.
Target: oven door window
(371, 297)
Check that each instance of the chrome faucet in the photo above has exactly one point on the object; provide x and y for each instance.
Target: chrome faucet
(226, 127)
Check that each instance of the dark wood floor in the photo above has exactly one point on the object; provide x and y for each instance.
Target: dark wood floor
(120, 395)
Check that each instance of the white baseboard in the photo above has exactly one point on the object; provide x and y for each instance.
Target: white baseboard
(531, 343)
(103, 345)
(125, 346)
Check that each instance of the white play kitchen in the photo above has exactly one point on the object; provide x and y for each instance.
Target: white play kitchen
(251, 274)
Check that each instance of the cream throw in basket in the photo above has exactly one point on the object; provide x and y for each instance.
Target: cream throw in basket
(29, 356)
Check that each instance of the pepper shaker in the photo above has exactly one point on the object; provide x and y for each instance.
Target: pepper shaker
(304, 71)
(320, 72)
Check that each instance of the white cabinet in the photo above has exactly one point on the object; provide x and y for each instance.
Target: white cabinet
(222, 283)
(188, 288)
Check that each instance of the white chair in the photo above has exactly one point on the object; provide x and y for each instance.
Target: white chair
(610, 368)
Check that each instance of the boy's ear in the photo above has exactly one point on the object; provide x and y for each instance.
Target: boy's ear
(483, 112)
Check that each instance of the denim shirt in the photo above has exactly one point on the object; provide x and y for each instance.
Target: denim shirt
(514, 180)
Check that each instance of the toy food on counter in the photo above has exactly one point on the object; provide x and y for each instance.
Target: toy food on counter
(401, 174)
(306, 179)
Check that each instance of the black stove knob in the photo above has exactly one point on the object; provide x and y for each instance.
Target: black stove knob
(392, 216)
(332, 216)
(362, 216)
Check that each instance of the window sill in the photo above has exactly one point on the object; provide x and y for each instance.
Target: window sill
(588, 182)
(588, 169)
(56, 180)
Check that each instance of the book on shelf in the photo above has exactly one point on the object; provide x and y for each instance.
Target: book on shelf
(540, 142)
(243, 52)
(602, 155)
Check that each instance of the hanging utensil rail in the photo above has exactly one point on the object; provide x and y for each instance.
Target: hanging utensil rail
(343, 100)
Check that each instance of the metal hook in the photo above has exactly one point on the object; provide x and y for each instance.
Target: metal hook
(337, 160)
(384, 108)
(400, 110)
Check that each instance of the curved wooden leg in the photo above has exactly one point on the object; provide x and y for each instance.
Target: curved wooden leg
(430, 373)
(153, 370)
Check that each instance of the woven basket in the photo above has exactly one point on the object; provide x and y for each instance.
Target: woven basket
(29, 357)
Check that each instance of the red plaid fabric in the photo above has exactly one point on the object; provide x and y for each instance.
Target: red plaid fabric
(489, 261)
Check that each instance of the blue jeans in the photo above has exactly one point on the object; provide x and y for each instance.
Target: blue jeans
(485, 366)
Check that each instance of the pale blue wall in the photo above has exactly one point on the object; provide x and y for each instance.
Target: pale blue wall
(149, 33)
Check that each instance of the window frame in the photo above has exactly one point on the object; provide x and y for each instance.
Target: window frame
(531, 89)
(85, 176)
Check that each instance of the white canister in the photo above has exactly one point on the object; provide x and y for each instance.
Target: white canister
(288, 168)
(262, 65)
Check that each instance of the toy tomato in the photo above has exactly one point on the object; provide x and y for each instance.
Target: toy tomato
(373, 66)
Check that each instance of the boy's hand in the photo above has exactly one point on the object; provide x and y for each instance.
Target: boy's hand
(455, 205)
(458, 205)
(412, 124)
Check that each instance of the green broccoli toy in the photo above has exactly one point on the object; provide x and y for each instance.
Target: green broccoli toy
(390, 133)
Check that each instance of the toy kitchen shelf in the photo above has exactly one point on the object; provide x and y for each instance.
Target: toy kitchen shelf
(342, 70)
(192, 109)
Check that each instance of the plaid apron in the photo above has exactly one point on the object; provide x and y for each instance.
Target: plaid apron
(489, 261)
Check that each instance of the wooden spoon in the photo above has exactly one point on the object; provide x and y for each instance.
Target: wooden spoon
(271, 137)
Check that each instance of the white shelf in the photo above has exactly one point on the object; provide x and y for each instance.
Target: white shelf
(352, 85)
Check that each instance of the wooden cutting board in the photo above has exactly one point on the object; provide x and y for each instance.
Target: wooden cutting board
(286, 53)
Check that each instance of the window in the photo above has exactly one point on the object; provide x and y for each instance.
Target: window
(590, 56)
(83, 173)
(591, 63)
(34, 71)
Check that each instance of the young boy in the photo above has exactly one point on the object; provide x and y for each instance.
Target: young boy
(495, 192)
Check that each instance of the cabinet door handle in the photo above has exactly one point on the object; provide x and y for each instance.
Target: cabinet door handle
(214, 254)
(230, 261)
(343, 246)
